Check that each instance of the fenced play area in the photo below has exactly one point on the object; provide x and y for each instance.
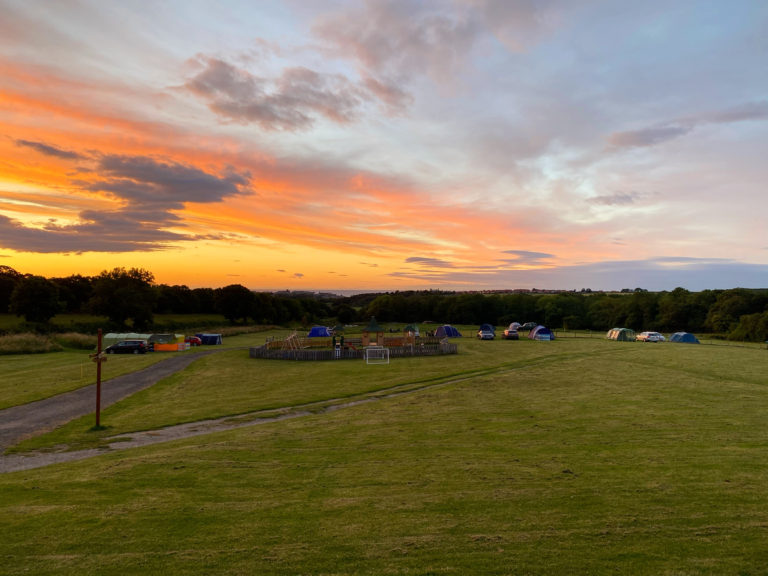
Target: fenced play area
(318, 349)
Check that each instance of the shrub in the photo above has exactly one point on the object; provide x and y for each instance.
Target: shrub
(76, 340)
(27, 344)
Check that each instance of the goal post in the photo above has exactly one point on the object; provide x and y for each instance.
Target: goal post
(376, 355)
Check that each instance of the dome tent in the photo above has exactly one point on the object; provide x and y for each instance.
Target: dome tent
(447, 331)
(319, 332)
(685, 337)
(541, 333)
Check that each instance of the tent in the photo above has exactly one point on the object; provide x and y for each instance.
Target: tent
(166, 338)
(541, 333)
(115, 337)
(319, 332)
(447, 331)
(515, 326)
(686, 337)
(412, 329)
(621, 334)
(490, 327)
(209, 339)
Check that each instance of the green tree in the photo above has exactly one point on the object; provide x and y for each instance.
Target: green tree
(606, 311)
(751, 328)
(123, 295)
(74, 292)
(642, 309)
(206, 300)
(8, 279)
(344, 313)
(566, 310)
(35, 298)
(175, 300)
(729, 306)
(235, 302)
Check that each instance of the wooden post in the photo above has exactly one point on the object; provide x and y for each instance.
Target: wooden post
(98, 382)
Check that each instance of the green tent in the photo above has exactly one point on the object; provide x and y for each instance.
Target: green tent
(621, 334)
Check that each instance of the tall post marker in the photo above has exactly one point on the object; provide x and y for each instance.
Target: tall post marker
(99, 357)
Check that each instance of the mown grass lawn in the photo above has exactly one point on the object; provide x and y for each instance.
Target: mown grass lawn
(572, 457)
(29, 377)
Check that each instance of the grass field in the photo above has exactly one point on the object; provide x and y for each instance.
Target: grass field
(30, 377)
(578, 456)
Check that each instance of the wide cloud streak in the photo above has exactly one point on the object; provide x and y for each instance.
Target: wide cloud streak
(292, 101)
(651, 136)
(148, 193)
(49, 150)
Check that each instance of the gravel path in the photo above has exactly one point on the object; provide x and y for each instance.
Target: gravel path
(20, 422)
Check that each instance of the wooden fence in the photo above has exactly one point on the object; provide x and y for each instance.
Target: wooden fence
(273, 351)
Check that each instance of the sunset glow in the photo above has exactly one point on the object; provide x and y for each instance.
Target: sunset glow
(387, 145)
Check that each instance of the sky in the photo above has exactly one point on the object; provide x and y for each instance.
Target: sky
(356, 145)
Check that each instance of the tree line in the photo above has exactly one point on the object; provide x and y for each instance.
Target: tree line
(131, 297)
(738, 313)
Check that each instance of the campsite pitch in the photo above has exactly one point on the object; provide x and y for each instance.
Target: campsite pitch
(572, 456)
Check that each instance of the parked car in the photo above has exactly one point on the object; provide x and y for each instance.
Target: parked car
(128, 347)
(486, 334)
(511, 335)
(193, 341)
(650, 337)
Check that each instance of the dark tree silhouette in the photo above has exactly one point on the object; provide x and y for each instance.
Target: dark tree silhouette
(35, 298)
(123, 295)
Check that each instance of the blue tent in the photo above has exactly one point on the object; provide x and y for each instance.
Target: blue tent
(686, 337)
(541, 333)
(490, 327)
(209, 338)
(447, 331)
(319, 332)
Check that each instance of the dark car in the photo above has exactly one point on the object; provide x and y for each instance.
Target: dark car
(511, 335)
(128, 347)
(528, 326)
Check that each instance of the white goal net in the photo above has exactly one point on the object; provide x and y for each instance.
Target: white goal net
(376, 355)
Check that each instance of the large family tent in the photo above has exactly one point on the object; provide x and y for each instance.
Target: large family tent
(621, 334)
(209, 339)
(515, 326)
(686, 337)
(115, 337)
(541, 333)
(319, 332)
(490, 327)
(447, 331)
